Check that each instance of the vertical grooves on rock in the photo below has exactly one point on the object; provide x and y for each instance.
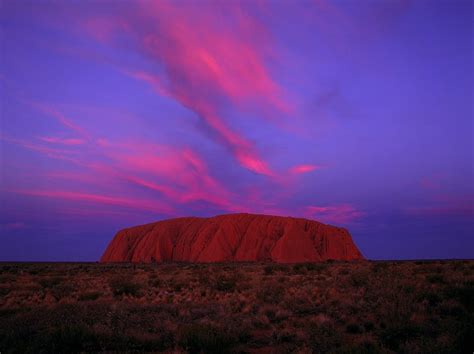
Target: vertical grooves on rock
(280, 232)
(207, 240)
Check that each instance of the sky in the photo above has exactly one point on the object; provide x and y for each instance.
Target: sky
(353, 113)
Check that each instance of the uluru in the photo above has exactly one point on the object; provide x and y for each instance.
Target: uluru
(232, 238)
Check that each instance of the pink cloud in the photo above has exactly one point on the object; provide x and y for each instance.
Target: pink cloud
(444, 205)
(204, 65)
(13, 225)
(243, 151)
(334, 214)
(87, 213)
(167, 191)
(300, 169)
(85, 177)
(152, 80)
(62, 141)
(102, 28)
(180, 175)
(228, 59)
(433, 182)
(442, 210)
(253, 163)
(148, 205)
(439, 201)
(61, 118)
(55, 153)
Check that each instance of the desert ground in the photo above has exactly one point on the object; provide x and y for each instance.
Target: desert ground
(331, 307)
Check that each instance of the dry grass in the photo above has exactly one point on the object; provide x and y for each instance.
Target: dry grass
(335, 307)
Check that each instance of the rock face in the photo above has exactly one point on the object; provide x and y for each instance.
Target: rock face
(233, 237)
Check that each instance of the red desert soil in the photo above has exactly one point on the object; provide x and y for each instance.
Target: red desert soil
(233, 237)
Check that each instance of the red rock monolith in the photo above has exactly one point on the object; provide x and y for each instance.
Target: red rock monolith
(232, 238)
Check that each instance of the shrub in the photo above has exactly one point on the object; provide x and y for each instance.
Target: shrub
(4, 291)
(435, 279)
(268, 269)
(270, 313)
(271, 294)
(395, 335)
(141, 341)
(324, 338)
(409, 289)
(464, 340)
(7, 279)
(32, 338)
(155, 283)
(344, 271)
(463, 293)
(123, 286)
(432, 298)
(452, 309)
(318, 267)
(61, 291)
(72, 338)
(369, 326)
(225, 284)
(299, 268)
(284, 336)
(272, 268)
(204, 338)
(302, 304)
(367, 346)
(379, 267)
(50, 282)
(353, 328)
(358, 279)
(89, 296)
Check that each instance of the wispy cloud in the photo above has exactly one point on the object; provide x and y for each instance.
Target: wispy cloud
(53, 112)
(301, 169)
(180, 175)
(335, 214)
(51, 152)
(176, 175)
(16, 225)
(148, 205)
(62, 141)
(444, 205)
(206, 67)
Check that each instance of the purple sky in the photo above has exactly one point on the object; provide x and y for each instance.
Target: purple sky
(354, 113)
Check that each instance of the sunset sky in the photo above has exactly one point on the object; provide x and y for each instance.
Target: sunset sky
(353, 113)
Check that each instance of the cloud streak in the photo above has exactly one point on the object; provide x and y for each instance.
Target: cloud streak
(443, 206)
(302, 169)
(61, 118)
(147, 205)
(341, 214)
(62, 141)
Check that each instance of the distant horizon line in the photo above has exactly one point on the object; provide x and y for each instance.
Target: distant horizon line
(249, 262)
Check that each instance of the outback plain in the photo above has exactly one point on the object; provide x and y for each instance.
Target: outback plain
(330, 307)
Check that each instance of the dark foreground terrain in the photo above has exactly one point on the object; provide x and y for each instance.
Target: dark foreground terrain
(365, 307)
